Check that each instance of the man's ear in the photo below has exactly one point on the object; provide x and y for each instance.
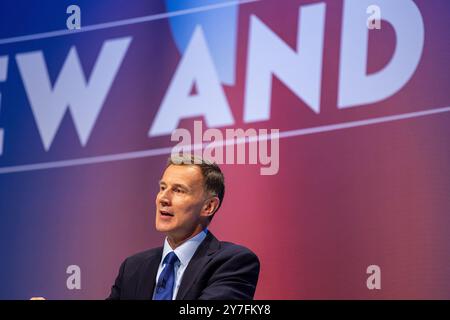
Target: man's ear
(210, 207)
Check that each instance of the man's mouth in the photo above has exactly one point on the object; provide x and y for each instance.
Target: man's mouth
(166, 213)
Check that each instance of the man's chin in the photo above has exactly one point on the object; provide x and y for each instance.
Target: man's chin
(162, 227)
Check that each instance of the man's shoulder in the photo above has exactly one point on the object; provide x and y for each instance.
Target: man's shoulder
(142, 256)
(231, 249)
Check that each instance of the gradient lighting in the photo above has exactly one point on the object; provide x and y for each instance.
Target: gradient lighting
(342, 200)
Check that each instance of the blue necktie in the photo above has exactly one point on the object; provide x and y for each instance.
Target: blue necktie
(166, 280)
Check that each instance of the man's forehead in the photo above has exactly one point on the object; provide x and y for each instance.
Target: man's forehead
(186, 174)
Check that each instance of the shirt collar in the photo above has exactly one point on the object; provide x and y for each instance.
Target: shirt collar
(186, 250)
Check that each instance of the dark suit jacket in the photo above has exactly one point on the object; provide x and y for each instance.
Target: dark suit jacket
(218, 270)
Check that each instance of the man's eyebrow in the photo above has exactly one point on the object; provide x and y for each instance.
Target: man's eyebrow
(182, 186)
(175, 185)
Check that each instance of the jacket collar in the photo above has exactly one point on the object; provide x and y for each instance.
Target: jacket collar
(200, 259)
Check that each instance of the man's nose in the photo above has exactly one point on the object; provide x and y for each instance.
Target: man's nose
(164, 198)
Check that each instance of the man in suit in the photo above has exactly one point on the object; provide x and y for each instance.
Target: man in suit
(192, 264)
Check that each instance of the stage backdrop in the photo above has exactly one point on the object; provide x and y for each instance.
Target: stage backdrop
(359, 204)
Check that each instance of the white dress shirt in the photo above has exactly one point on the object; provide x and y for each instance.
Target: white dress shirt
(184, 253)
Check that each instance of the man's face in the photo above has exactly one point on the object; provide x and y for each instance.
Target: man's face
(180, 200)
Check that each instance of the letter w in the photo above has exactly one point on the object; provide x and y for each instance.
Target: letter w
(71, 91)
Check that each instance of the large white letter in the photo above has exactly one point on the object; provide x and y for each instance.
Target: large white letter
(299, 70)
(196, 67)
(84, 100)
(355, 86)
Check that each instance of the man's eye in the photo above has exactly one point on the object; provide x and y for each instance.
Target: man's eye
(178, 190)
(161, 188)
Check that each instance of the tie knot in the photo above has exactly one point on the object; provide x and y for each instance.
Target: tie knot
(171, 258)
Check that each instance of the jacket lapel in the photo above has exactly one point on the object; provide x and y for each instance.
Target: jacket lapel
(202, 256)
(147, 280)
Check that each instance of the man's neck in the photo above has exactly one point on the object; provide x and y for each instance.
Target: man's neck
(175, 242)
